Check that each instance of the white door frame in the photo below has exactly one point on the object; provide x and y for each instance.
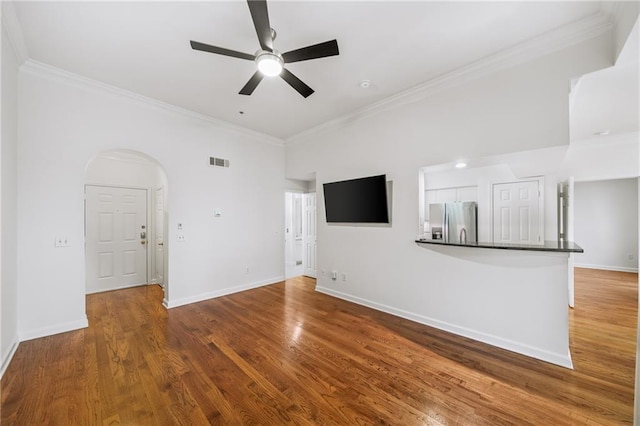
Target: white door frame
(154, 224)
(570, 237)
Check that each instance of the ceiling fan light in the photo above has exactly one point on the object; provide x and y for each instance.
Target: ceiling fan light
(269, 64)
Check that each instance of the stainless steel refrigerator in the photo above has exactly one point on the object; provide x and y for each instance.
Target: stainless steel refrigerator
(455, 222)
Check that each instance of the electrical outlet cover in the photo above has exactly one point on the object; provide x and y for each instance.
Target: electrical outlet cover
(61, 242)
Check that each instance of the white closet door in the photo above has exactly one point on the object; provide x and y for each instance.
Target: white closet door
(516, 213)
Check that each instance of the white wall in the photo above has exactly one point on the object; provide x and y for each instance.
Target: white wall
(114, 168)
(625, 15)
(521, 108)
(606, 224)
(8, 179)
(65, 121)
(611, 157)
(296, 185)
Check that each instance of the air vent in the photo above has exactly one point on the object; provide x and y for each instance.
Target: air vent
(218, 162)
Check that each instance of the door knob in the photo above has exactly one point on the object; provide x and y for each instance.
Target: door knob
(160, 244)
(143, 242)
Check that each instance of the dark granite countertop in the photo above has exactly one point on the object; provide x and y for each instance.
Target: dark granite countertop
(549, 246)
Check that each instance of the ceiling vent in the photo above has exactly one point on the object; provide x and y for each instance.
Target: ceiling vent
(218, 162)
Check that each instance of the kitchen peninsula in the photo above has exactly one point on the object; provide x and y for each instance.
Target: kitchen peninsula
(548, 246)
(516, 295)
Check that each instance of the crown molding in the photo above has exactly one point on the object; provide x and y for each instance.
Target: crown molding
(542, 45)
(84, 83)
(12, 27)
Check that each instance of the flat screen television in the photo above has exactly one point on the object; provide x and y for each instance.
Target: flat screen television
(362, 200)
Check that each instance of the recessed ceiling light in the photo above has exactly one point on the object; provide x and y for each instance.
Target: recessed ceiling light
(365, 84)
(602, 132)
(461, 165)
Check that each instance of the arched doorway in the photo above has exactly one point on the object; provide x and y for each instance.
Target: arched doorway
(125, 216)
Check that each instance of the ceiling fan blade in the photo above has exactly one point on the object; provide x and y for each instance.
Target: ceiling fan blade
(252, 83)
(260, 16)
(320, 50)
(296, 83)
(195, 45)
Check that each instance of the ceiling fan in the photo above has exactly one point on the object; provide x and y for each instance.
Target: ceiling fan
(270, 62)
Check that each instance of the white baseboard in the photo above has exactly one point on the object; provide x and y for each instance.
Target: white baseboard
(7, 359)
(218, 293)
(605, 267)
(54, 329)
(563, 360)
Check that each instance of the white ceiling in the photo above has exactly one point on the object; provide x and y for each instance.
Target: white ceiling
(144, 47)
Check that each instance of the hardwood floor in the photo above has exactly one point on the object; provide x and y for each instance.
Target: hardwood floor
(284, 354)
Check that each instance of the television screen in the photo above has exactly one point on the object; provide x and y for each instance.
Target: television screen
(361, 200)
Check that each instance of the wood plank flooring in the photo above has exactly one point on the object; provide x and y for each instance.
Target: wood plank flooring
(284, 354)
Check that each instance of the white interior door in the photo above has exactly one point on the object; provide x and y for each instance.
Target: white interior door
(116, 228)
(309, 235)
(517, 212)
(159, 236)
(297, 230)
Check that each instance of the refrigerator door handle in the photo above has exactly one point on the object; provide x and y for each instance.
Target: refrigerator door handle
(445, 226)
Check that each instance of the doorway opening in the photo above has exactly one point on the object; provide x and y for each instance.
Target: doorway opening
(125, 221)
(293, 247)
(300, 234)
